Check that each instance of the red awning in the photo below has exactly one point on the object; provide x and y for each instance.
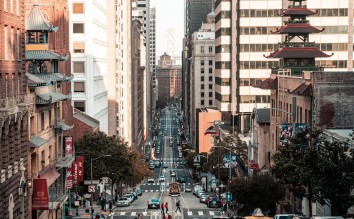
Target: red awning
(40, 198)
(50, 174)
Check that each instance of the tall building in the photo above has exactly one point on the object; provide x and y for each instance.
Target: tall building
(202, 74)
(196, 13)
(169, 78)
(15, 106)
(50, 122)
(88, 45)
(152, 49)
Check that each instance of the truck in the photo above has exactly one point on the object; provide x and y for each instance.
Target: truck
(175, 189)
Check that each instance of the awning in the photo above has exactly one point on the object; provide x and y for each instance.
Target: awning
(44, 55)
(34, 80)
(40, 197)
(63, 126)
(50, 174)
(37, 142)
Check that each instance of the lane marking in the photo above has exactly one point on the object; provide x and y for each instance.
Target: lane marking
(189, 213)
(211, 213)
(122, 213)
(200, 212)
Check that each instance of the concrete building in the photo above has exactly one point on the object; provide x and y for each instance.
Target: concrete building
(196, 12)
(153, 59)
(169, 79)
(205, 118)
(89, 56)
(15, 106)
(202, 74)
(49, 80)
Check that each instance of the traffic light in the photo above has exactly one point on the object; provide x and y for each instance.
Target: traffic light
(229, 196)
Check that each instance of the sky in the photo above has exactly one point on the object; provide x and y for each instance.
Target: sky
(169, 19)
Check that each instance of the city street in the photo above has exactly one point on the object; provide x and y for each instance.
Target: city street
(190, 205)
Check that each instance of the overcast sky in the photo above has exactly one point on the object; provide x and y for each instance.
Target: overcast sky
(169, 18)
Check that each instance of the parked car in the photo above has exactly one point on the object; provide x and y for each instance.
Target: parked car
(151, 180)
(196, 189)
(139, 192)
(135, 196)
(202, 198)
(151, 166)
(214, 203)
(165, 165)
(129, 197)
(157, 163)
(285, 216)
(180, 155)
(173, 174)
(123, 201)
(162, 178)
(209, 197)
(199, 193)
(188, 189)
(154, 203)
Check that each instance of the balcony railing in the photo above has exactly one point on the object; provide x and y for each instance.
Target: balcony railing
(297, 44)
(295, 71)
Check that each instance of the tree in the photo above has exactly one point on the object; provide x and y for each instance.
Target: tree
(317, 169)
(259, 191)
(140, 169)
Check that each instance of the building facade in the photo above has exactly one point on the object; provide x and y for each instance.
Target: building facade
(49, 80)
(15, 106)
(169, 78)
(202, 74)
(89, 56)
(153, 59)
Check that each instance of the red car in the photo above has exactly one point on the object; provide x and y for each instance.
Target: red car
(210, 196)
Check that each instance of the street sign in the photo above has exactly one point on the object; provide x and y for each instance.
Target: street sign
(91, 182)
(104, 179)
(91, 188)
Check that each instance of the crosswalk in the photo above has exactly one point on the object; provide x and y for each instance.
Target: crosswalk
(160, 183)
(189, 213)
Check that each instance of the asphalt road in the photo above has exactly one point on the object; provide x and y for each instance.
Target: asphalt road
(190, 205)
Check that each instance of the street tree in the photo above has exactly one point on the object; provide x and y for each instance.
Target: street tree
(258, 191)
(140, 168)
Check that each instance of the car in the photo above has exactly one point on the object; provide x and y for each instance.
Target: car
(123, 201)
(154, 203)
(165, 165)
(129, 197)
(199, 193)
(135, 196)
(173, 174)
(285, 216)
(139, 192)
(157, 151)
(162, 178)
(209, 197)
(181, 180)
(202, 198)
(180, 155)
(196, 189)
(157, 163)
(214, 203)
(151, 166)
(188, 189)
(151, 180)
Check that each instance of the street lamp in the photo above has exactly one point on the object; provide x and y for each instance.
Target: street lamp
(229, 165)
(106, 155)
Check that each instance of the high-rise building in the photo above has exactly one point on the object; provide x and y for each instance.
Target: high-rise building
(14, 106)
(152, 49)
(196, 13)
(89, 56)
(202, 74)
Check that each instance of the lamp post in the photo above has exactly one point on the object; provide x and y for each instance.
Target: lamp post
(106, 155)
(229, 165)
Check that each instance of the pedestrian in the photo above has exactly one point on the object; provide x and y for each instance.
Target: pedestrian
(178, 206)
(166, 207)
(169, 216)
(97, 216)
(110, 206)
(162, 209)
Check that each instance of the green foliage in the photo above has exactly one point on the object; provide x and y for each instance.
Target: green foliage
(260, 191)
(319, 170)
(94, 145)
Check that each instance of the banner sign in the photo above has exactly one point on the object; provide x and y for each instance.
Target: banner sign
(68, 146)
(80, 170)
(287, 130)
(69, 178)
(229, 162)
(75, 168)
(40, 197)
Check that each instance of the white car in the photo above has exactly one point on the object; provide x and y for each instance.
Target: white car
(123, 202)
(129, 198)
(162, 178)
(151, 180)
(173, 174)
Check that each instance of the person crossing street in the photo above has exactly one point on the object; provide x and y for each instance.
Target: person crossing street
(166, 207)
(178, 206)
(162, 209)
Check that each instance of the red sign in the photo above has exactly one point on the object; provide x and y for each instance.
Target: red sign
(75, 172)
(69, 178)
(80, 171)
(69, 146)
(40, 198)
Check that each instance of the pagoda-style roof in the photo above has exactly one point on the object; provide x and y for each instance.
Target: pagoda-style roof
(298, 52)
(44, 55)
(50, 97)
(305, 89)
(269, 83)
(36, 21)
(39, 79)
(34, 81)
(300, 28)
(297, 11)
(61, 125)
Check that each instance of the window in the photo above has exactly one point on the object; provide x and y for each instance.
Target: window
(202, 86)
(202, 102)
(78, 28)
(210, 78)
(202, 78)
(201, 62)
(210, 86)
(80, 105)
(210, 102)
(79, 67)
(78, 47)
(6, 40)
(18, 44)
(202, 71)
(79, 86)
(202, 94)
(210, 49)
(210, 94)
(210, 62)
(78, 8)
(210, 70)
(42, 121)
(202, 50)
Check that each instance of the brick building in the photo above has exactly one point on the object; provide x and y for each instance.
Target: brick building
(14, 108)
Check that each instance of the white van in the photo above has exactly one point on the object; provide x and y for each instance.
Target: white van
(180, 155)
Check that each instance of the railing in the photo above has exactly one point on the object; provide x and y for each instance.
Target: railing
(296, 71)
(297, 44)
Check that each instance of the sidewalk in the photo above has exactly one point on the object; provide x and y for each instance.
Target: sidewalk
(81, 211)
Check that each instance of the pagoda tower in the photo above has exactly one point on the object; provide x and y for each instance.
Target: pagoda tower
(296, 52)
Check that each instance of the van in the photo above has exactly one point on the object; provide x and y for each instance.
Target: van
(180, 155)
(285, 216)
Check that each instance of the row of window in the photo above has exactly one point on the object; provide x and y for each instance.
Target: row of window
(210, 94)
(202, 102)
(254, 99)
(274, 47)
(267, 30)
(203, 51)
(250, 81)
(202, 87)
(202, 70)
(11, 43)
(210, 62)
(326, 12)
(285, 111)
(12, 85)
(210, 78)
(12, 6)
(258, 64)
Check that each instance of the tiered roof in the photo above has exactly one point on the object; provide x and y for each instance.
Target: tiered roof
(36, 21)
